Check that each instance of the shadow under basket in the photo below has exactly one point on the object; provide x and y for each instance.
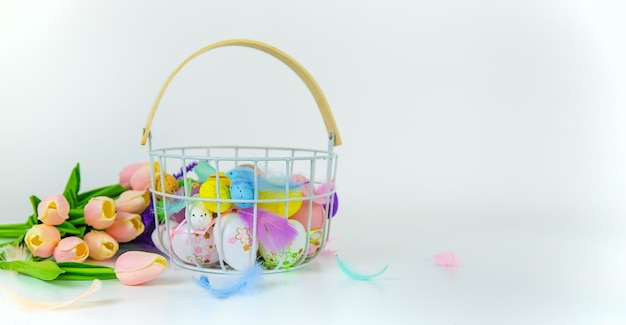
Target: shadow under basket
(224, 209)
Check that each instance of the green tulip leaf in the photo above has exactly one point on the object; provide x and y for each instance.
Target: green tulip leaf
(72, 187)
(32, 219)
(43, 270)
(67, 228)
(112, 191)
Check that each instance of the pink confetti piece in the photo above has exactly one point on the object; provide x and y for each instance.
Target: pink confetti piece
(446, 259)
(328, 251)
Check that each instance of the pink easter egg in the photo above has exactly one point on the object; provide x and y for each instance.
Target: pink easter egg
(317, 215)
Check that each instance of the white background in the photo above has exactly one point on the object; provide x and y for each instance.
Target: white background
(492, 128)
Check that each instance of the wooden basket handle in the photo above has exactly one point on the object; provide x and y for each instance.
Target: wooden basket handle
(314, 88)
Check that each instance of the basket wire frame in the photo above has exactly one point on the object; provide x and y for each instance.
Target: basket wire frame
(223, 158)
(320, 167)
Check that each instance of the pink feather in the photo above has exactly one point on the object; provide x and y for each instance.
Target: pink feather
(323, 189)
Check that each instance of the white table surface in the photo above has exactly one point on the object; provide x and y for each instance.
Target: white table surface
(505, 276)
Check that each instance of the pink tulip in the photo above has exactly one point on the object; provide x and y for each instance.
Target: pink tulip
(71, 249)
(53, 210)
(137, 176)
(41, 239)
(128, 172)
(141, 179)
(127, 226)
(136, 267)
(100, 212)
(132, 201)
(101, 245)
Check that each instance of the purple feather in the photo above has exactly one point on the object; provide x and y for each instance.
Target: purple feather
(188, 169)
(273, 231)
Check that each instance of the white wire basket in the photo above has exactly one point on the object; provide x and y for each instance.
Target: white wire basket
(224, 209)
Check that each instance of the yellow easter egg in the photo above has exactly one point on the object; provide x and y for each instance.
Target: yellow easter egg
(279, 207)
(208, 190)
(169, 184)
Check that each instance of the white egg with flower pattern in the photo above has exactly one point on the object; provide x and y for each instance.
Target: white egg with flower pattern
(160, 239)
(234, 241)
(291, 255)
(191, 246)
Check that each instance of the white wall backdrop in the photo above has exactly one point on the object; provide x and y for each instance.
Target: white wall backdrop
(454, 113)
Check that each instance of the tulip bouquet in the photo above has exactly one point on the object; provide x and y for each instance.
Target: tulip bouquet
(66, 229)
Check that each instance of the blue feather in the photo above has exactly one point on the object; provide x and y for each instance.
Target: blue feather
(248, 282)
(357, 276)
(204, 170)
(246, 174)
(174, 206)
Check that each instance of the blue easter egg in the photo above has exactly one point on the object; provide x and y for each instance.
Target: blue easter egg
(242, 191)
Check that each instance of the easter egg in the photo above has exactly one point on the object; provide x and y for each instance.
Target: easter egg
(317, 215)
(178, 214)
(193, 246)
(251, 166)
(303, 183)
(160, 239)
(208, 190)
(280, 207)
(315, 241)
(242, 191)
(167, 184)
(290, 255)
(234, 241)
(199, 216)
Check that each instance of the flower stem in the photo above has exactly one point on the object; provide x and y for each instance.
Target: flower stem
(12, 233)
(79, 277)
(78, 222)
(14, 226)
(76, 213)
(82, 271)
(85, 271)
